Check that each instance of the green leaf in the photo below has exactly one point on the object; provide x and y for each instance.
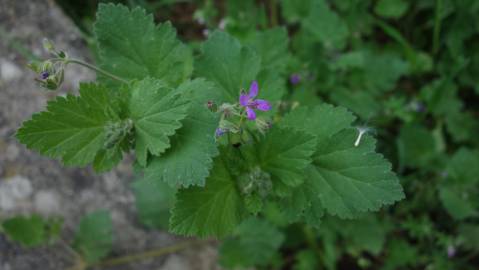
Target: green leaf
(256, 242)
(306, 260)
(463, 167)
(213, 210)
(441, 97)
(470, 235)
(193, 147)
(156, 111)
(348, 179)
(285, 153)
(458, 190)
(326, 26)
(232, 67)
(362, 103)
(73, 128)
(313, 211)
(353, 179)
(462, 126)
(401, 255)
(225, 62)
(382, 70)
(106, 159)
(366, 233)
(327, 120)
(303, 204)
(131, 46)
(153, 200)
(294, 10)
(29, 231)
(272, 46)
(416, 146)
(456, 205)
(94, 237)
(391, 8)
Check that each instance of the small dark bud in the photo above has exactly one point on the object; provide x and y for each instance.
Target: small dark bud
(294, 79)
(44, 75)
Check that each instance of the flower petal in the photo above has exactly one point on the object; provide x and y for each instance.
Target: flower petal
(262, 105)
(250, 113)
(253, 89)
(243, 100)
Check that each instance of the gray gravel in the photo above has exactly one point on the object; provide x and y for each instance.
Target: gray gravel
(30, 183)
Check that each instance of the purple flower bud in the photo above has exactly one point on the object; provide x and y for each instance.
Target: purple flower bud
(219, 132)
(44, 75)
(451, 251)
(419, 107)
(294, 79)
(209, 104)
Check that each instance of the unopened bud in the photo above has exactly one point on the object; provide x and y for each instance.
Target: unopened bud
(48, 45)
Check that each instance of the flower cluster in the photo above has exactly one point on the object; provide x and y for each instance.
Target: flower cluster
(247, 106)
(251, 104)
(51, 72)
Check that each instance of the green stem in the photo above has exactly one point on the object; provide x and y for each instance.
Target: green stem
(273, 8)
(312, 243)
(398, 37)
(437, 27)
(147, 254)
(95, 68)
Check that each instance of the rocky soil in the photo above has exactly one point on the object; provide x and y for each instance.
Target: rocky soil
(30, 183)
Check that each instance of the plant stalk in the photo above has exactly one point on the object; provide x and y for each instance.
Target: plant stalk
(147, 254)
(95, 68)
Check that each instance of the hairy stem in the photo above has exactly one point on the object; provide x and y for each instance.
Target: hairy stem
(148, 254)
(95, 68)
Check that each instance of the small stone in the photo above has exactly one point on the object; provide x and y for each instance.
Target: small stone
(12, 152)
(7, 202)
(19, 186)
(175, 262)
(47, 202)
(12, 190)
(9, 71)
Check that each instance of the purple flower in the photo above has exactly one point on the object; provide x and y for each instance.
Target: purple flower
(44, 75)
(294, 79)
(220, 132)
(451, 251)
(250, 103)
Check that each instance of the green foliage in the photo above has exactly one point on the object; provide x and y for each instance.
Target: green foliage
(193, 147)
(326, 26)
(293, 188)
(94, 236)
(458, 192)
(348, 178)
(213, 210)
(153, 201)
(73, 128)
(254, 242)
(156, 111)
(391, 8)
(416, 146)
(131, 46)
(32, 230)
(233, 67)
(285, 154)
